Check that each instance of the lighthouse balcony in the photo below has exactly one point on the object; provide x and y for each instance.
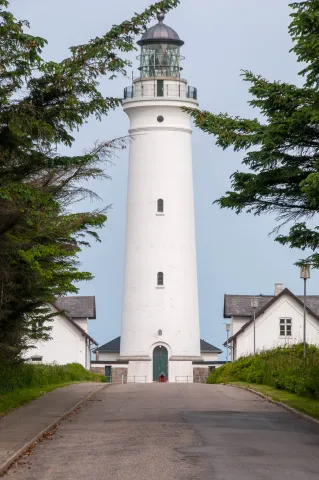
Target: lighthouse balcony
(160, 89)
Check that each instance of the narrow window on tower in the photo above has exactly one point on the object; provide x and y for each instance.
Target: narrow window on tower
(160, 279)
(160, 206)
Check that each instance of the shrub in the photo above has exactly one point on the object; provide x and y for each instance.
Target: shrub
(20, 376)
(282, 368)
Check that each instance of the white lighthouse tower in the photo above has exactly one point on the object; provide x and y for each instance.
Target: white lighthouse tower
(160, 322)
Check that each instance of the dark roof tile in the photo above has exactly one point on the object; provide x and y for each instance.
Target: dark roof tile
(112, 346)
(240, 306)
(77, 307)
(115, 345)
(312, 305)
(207, 347)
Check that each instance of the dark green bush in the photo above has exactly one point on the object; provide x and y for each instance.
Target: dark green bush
(282, 368)
(24, 375)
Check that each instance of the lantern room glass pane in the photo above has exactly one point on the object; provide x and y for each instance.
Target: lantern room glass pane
(160, 60)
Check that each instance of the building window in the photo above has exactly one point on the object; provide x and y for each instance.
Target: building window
(36, 326)
(285, 327)
(37, 358)
(160, 206)
(160, 279)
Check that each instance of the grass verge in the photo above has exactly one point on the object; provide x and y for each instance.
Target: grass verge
(20, 384)
(305, 405)
(20, 397)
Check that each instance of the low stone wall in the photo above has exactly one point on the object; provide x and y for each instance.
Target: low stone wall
(117, 375)
(99, 370)
(200, 374)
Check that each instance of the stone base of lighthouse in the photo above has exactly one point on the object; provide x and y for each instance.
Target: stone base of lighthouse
(149, 370)
(159, 358)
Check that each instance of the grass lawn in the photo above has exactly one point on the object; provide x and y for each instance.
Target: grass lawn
(302, 404)
(20, 397)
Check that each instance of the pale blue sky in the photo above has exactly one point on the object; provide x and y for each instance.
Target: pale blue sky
(234, 253)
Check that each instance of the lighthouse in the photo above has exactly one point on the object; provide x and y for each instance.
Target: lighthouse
(160, 318)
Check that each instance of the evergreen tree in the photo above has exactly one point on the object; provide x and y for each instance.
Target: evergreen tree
(281, 152)
(41, 105)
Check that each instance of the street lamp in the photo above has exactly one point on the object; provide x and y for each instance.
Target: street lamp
(228, 328)
(254, 304)
(305, 274)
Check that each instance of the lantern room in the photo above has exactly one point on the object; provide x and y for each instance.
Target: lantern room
(160, 56)
(160, 66)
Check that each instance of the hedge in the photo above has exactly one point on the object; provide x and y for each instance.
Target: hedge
(25, 376)
(282, 368)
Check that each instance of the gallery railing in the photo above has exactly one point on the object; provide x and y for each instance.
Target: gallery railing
(180, 91)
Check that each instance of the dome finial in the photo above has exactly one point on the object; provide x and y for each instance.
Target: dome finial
(161, 17)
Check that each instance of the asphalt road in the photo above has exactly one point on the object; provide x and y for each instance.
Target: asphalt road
(176, 431)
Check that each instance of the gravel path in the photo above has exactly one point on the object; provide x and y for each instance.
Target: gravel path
(176, 431)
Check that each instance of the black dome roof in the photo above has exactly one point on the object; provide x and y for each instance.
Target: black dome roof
(160, 33)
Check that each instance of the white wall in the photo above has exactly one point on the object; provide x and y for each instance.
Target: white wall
(160, 168)
(82, 322)
(216, 365)
(108, 364)
(141, 370)
(267, 328)
(207, 357)
(67, 345)
(111, 357)
(178, 371)
(238, 323)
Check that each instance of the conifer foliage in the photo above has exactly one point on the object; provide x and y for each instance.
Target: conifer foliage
(41, 105)
(281, 153)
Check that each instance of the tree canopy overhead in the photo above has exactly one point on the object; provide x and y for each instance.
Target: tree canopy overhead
(41, 104)
(281, 153)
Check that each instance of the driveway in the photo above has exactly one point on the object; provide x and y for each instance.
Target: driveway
(176, 431)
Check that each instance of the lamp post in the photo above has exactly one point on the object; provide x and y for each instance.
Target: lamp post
(254, 305)
(228, 327)
(305, 274)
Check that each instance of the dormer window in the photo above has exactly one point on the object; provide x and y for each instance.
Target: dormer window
(160, 205)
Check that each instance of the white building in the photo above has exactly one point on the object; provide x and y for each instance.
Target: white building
(108, 362)
(279, 321)
(160, 319)
(70, 341)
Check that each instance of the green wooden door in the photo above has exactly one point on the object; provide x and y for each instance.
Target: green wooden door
(160, 362)
(108, 374)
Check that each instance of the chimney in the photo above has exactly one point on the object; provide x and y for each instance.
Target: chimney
(278, 288)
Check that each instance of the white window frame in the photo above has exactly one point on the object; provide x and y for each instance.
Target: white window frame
(285, 322)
